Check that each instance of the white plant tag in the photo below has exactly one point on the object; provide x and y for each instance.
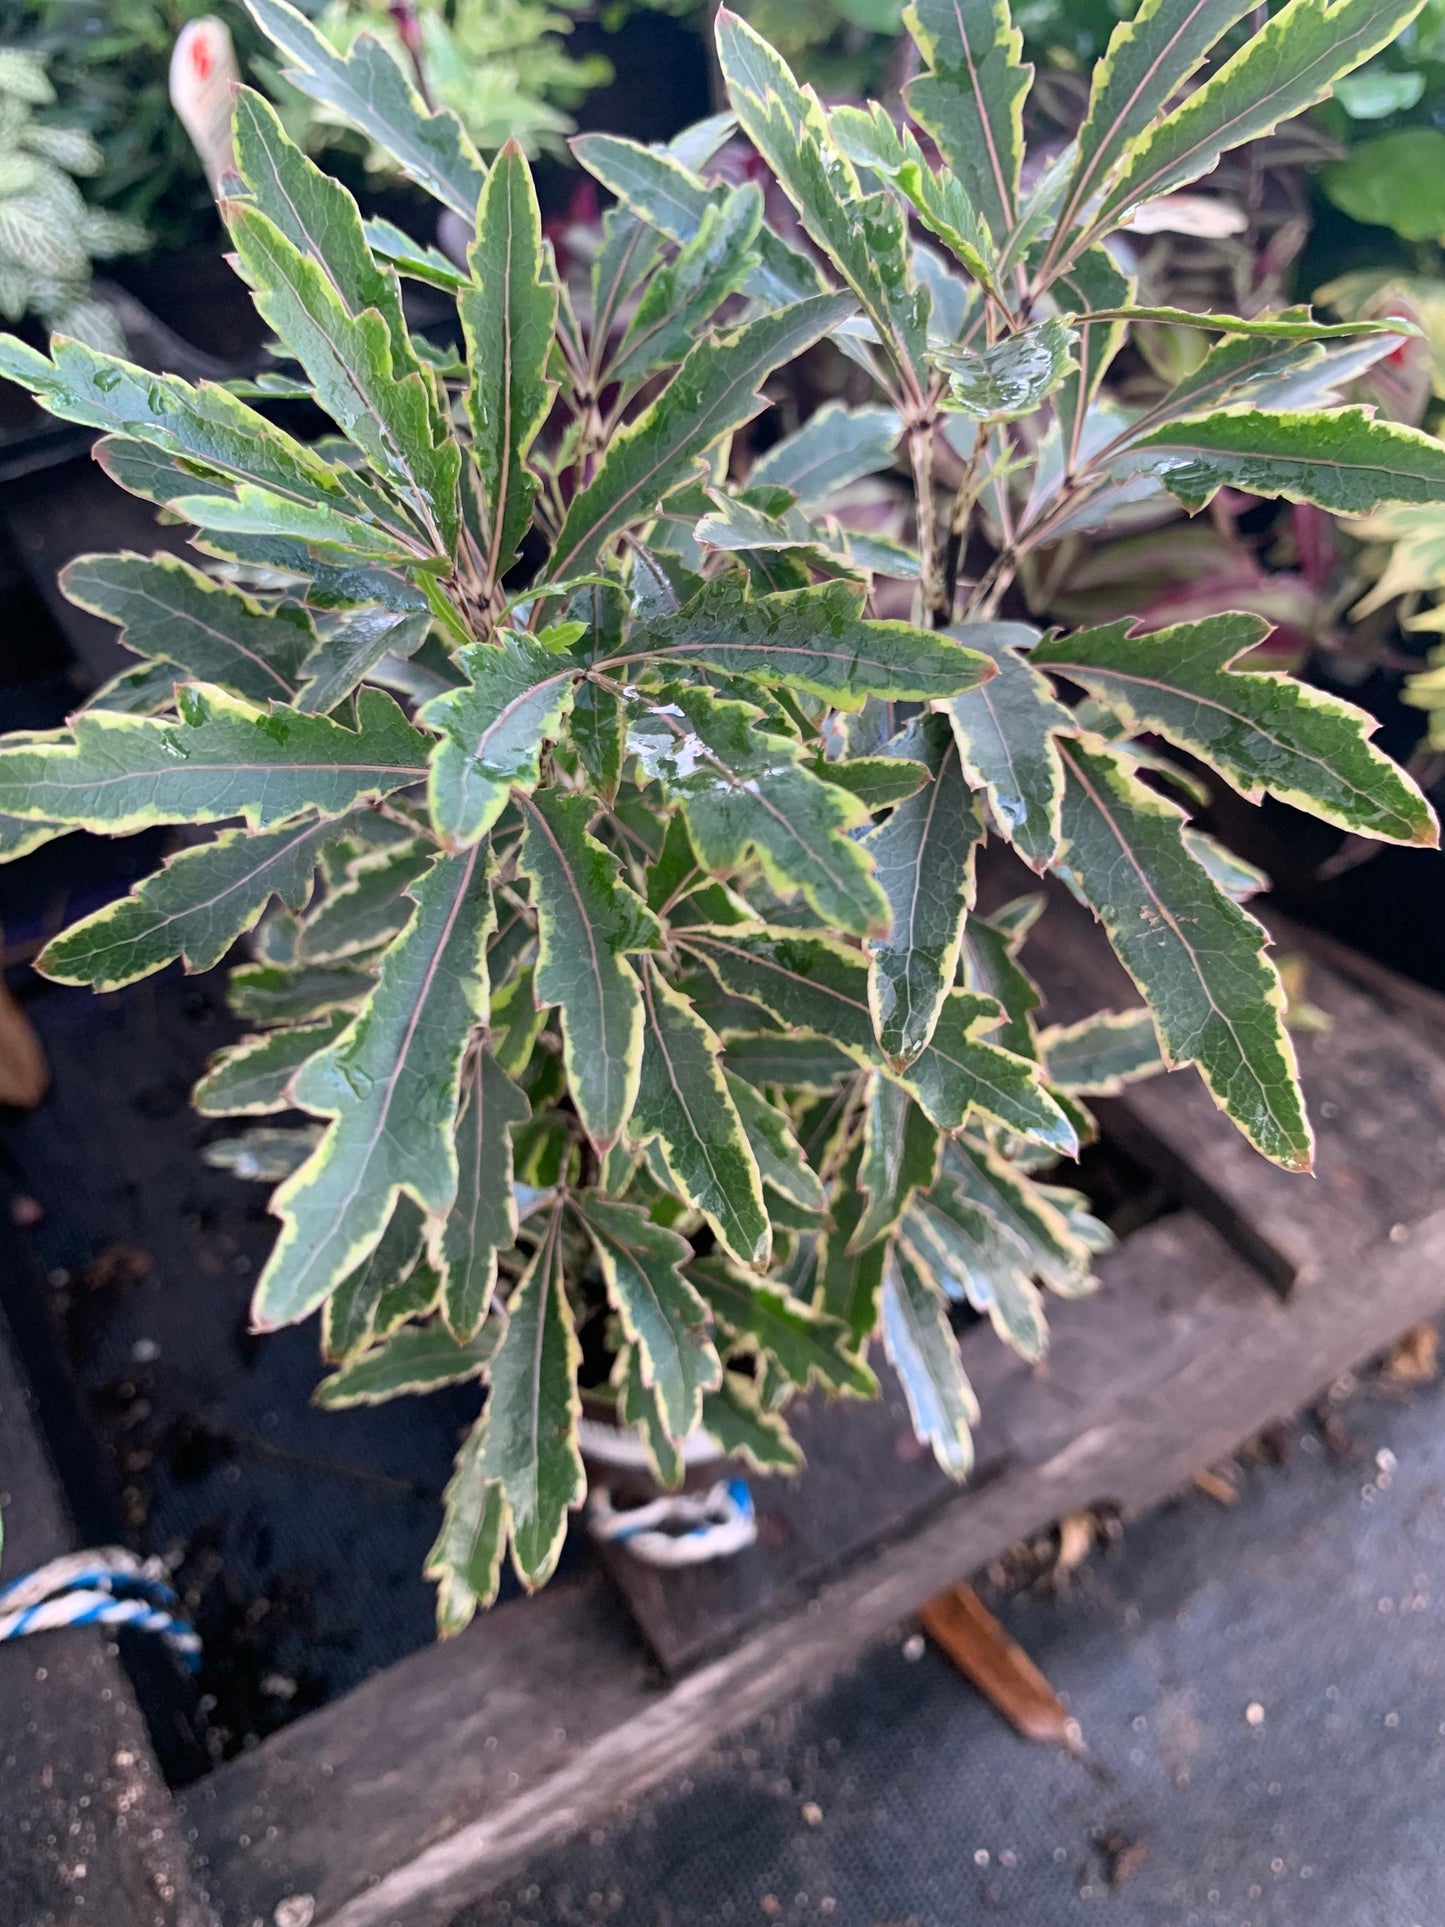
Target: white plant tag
(204, 79)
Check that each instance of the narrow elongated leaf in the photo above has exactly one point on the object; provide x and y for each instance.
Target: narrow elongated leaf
(973, 1170)
(1343, 460)
(1263, 732)
(809, 1347)
(350, 1315)
(681, 297)
(194, 907)
(1099, 1055)
(508, 318)
(924, 1352)
(978, 1261)
(483, 1219)
(744, 789)
(1094, 281)
(900, 1156)
(1290, 65)
(466, 1561)
(1005, 733)
(264, 1155)
(924, 856)
(661, 1312)
(835, 446)
(850, 1280)
(493, 730)
(345, 659)
(223, 758)
(250, 1079)
(385, 407)
(960, 1072)
(778, 1154)
(531, 1439)
(1198, 959)
(715, 390)
(369, 908)
(972, 100)
(811, 639)
(367, 87)
(865, 236)
(389, 1084)
(1149, 59)
(639, 1410)
(870, 138)
(683, 1101)
(415, 1358)
(735, 1420)
(267, 993)
(254, 521)
(801, 1063)
(991, 966)
(206, 424)
(587, 918)
(169, 610)
(807, 983)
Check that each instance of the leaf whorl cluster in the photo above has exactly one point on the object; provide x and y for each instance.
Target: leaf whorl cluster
(611, 911)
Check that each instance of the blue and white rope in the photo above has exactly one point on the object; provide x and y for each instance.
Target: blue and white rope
(712, 1525)
(104, 1587)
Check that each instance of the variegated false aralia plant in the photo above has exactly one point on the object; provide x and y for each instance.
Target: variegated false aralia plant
(609, 861)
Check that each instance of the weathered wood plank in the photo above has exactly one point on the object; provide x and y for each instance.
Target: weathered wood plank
(1376, 1094)
(89, 1832)
(1179, 1359)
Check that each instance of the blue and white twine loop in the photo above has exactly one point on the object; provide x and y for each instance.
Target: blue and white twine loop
(104, 1587)
(678, 1529)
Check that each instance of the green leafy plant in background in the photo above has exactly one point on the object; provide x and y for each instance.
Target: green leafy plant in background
(609, 849)
(49, 234)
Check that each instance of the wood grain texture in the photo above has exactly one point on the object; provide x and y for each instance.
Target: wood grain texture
(89, 1832)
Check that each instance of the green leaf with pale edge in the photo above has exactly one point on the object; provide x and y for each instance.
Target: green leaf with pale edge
(1094, 281)
(1012, 378)
(349, 1316)
(466, 1560)
(972, 100)
(493, 729)
(865, 236)
(799, 1063)
(414, 1358)
(205, 425)
(900, 1156)
(213, 634)
(736, 1422)
(683, 1101)
(1099, 1055)
(777, 1153)
(639, 1410)
(223, 758)
(367, 87)
(1149, 59)
(264, 1155)
(850, 1280)
(924, 857)
(974, 1171)
(195, 906)
(978, 1261)
(808, 1346)
(343, 660)
(369, 908)
(18, 838)
(834, 447)
(508, 317)
(870, 138)
(1263, 732)
(1342, 459)
(1005, 733)
(1198, 959)
(658, 187)
(587, 918)
(266, 993)
(389, 1084)
(744, 789)
(253, 519)
(660, 1310)
(530, 1447)
(807, 983)
(317, 215)
(1288, 66)
(250, 1079)
(483, 1219)
(681, 296)
(924, 1352)
(960, 1073)
(810, 639)
(385, 407)
(715, 390)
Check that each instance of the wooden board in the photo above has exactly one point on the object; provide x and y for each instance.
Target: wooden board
(390, 1806)
(89, 1831)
